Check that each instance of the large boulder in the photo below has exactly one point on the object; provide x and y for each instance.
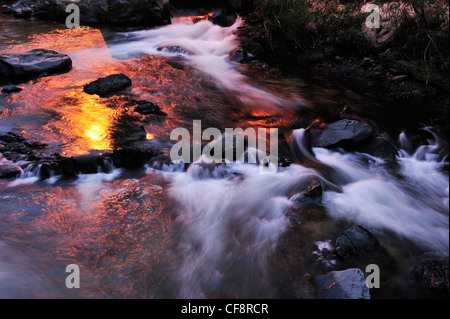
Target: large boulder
(345, 284)
(33, 62)
(343, 133)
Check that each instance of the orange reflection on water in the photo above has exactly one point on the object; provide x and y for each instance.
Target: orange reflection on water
(55, 108)
(91, 121)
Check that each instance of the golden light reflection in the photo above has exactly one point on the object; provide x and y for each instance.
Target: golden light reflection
(90, 122)
(79, 122)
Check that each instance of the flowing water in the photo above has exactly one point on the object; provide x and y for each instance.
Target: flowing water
(208, 232)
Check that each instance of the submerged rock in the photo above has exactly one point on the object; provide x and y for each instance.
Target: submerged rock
(33, 62)
(343, 133)
(345, 284)
(107, 85)
(147, 108)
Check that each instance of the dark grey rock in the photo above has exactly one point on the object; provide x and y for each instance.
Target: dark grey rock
(345, 284)
(239, 55)
(358, 248)
(107, 85)
(343, 132)
(33, 62)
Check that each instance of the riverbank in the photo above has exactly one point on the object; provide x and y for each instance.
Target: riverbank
(404, 64)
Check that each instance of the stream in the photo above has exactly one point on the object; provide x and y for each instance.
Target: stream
(225, 231)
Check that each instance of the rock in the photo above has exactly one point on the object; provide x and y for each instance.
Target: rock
(130, 157)
(407, 91)
(94, 11)
(174, 49)
(383, 146)
(254, 48)
(135, 12)
(312, 194)
(91, 164)
(345, 284)
(343, 133)
(66, 167)
(146, 108)
(107, 85)
(33, 62)
(17, 7)
(11, 89)
(23, 13)
(45, 171)
(359, 248)
(239, 55)
(8, 169)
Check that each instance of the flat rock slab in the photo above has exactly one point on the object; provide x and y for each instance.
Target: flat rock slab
(345, 284)
(107, 85)
(33, 62)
